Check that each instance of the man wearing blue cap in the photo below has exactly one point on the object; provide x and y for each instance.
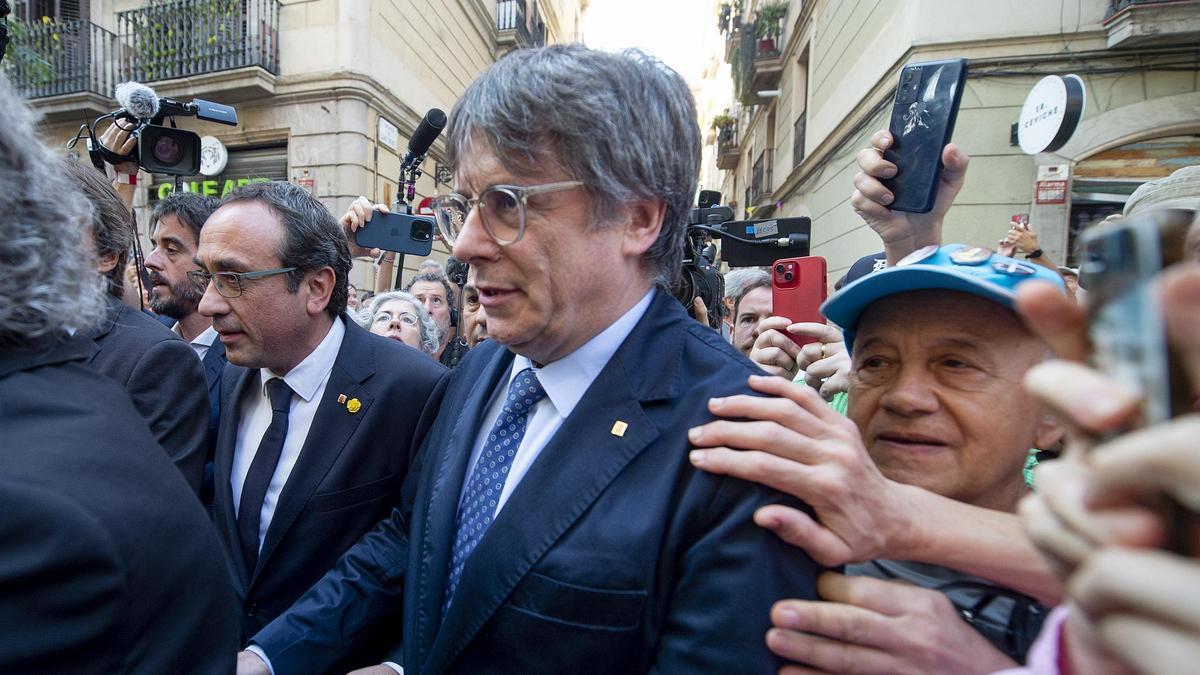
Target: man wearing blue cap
(926, 467)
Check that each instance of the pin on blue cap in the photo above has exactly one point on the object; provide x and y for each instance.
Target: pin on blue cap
(954, 267)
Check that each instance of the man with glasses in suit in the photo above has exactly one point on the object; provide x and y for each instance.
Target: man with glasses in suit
(557, 524)
(311, 452)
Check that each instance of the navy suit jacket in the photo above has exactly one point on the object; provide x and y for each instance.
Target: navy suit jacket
(162, 376)
(613, 555)
(348, 476)
(109, 565)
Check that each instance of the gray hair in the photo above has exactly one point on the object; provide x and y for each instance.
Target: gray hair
(312, 238)
(742, 280)
(47, 288)
(429, 330)
(624, 124)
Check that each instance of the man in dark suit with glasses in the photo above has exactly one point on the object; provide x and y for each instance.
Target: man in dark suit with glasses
(311, 451)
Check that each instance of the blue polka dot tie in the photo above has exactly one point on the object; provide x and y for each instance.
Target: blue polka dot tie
(478, 506)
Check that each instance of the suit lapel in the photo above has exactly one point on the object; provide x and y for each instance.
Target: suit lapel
(214, 363)
(437, 522)
(574, 468)
(332, 428)
(231, 414)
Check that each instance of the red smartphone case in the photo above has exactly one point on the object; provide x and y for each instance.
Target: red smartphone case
(797, 291)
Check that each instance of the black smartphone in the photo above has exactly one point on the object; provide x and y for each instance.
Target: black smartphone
(398, 232)
(922, 123)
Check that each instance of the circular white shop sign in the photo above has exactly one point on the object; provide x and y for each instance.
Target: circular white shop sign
(1051, 113)
(213, 156)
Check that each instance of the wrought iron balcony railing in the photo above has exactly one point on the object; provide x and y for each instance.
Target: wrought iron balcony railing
(798, 140)
(182, 38)
(512, 15)
(67, 57)
(760, 178)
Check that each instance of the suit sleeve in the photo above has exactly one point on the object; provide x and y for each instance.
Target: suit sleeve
(730, 577)
(63, 584)
(168, 388)
(333, 618)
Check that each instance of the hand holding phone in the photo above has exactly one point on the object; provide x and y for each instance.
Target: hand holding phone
(797, 291)
(922, 123)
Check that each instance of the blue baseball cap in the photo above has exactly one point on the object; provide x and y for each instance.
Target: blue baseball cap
(954, 267)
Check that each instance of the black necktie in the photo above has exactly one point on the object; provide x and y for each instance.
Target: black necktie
(258, 478)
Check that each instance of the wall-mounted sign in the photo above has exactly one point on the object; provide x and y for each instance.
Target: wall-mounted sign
(213, 156)
(1051, 192)
(1053, 171)
(389, 135)
(1051, 114)
(212, 187)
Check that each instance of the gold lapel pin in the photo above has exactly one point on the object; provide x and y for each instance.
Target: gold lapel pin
(353, 405)
(341, 399)
(619, 428)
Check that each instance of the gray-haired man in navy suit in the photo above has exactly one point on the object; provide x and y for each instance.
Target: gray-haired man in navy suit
(557, 524)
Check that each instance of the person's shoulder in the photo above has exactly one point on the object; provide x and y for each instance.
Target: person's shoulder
(136, 326)
(705, 347)
(395, 358)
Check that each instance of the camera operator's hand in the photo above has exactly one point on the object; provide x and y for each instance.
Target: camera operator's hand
(1006, 248)
(794, 442)
(902, 232)
(699, 310)
(867, 625)
(357, 217)
(118, 139)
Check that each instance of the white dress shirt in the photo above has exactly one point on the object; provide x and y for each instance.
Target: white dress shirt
(201, 342)
(307, 380)
(565, 381)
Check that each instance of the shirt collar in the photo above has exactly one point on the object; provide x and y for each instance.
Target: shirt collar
(206, 337)
(306, 378)
(567, 379)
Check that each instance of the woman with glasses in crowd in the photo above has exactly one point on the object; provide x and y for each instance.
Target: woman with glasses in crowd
(398, 315)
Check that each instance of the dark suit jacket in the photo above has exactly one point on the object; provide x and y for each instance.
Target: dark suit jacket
(164, 379)
(109, 565)
(348, 476)
(214, 366)
(613, 555)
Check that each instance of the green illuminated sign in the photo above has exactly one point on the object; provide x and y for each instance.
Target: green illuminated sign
(208, 188)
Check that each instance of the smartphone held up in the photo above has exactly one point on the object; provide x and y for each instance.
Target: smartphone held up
(922, 122)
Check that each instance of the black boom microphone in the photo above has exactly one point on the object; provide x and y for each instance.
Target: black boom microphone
(426, 133)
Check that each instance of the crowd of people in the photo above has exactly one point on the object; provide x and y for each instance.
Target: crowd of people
(548, 464)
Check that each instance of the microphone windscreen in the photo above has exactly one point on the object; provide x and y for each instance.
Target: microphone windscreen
(137, 99)
(427, 131)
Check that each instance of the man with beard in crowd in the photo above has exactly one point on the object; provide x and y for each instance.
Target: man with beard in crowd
(174, 237)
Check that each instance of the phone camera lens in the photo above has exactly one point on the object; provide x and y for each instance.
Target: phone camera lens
(779, 268)
(788, 276)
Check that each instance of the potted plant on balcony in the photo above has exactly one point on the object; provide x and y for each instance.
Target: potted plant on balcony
(769, 18)
(723, 124)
